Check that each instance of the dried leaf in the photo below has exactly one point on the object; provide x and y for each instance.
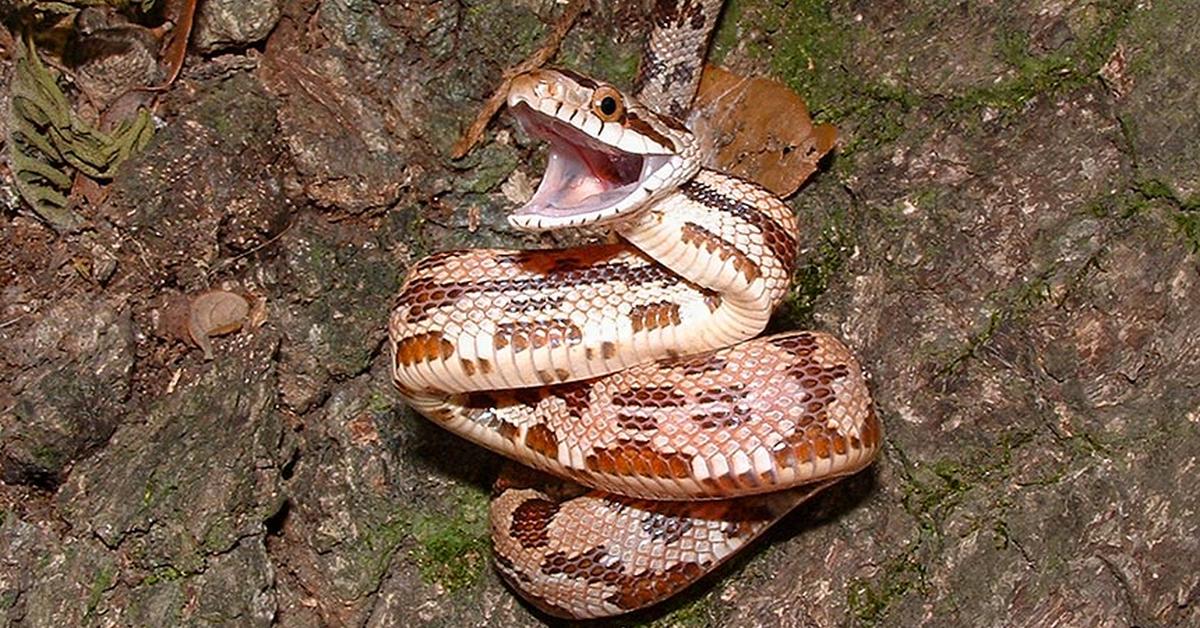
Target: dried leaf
(213, 314)
(760, 130)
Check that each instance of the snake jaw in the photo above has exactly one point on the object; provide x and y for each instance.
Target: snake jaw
(596, 172)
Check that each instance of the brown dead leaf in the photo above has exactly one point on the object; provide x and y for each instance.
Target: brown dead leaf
(760, 130)
(215, 313)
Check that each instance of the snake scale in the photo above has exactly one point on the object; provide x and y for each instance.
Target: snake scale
(631, 370)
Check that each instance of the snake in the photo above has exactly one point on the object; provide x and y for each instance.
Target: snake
(655, 432)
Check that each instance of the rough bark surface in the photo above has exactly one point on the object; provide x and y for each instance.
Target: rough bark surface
(1007, 235)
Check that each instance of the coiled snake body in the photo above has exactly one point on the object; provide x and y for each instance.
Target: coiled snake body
(629, 368)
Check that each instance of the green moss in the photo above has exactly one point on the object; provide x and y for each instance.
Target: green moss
(452, 549)
(1072, 66)
(807, 49)
(1011, 305)
(103, 581)
(694, 614)
(1145, 193)
(486, 168)
(165, 573)
(811, 280)
(47, 456)
(868, 599)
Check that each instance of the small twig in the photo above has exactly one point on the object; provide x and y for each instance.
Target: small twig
(222, 264)
(539, 58)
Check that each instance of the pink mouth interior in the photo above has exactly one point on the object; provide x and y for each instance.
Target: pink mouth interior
(583, 175)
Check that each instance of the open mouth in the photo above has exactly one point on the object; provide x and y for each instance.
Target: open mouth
(586, 180)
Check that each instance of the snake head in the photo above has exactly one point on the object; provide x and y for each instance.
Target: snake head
(609, 156)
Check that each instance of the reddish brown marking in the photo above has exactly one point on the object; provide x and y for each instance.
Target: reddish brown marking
(665, 527)
(698, 364)
(648, 586)
(712, 300)
(871, 431)
(468, 367)
(593, 565)
(641, 127)
(541, 439)
(694, 234)
(634, 458)
(552, 261)
(821, 446)
(425, 347)
(575, 396)
(650, 397)
(721, 485)
(714, 421)
(777, 237)
(608, 350)
(654, 315)
(531, 522)
(441, 414)
(800, 345)
(522, 334)
(637, 422)
(485, 366)
(528, 397)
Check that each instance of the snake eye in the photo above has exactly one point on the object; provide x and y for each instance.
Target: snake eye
(606, 102)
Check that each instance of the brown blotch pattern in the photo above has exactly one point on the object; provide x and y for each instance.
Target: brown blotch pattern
(666, 528)
(694, 234)
(637, 422)
(699, 364)
(651, 316)
(813, 439)
(593, 565)
(541, 439)
(777, 237)
(633, 590)
(572, 269)
(522, 335)
(648, 586)
(650, 397)
(425, 347)
(640, 126)
(633, 458)
(531, 522)
(555, 261)
(575, 396)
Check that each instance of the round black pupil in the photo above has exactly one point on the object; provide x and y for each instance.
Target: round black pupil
(608, 106)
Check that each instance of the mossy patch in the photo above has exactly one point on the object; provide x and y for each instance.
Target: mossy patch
(812, 279)
(453, 549)
(694, 614)
(868, 599)
(103, 581)
(1071, 66)
(807, 48)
